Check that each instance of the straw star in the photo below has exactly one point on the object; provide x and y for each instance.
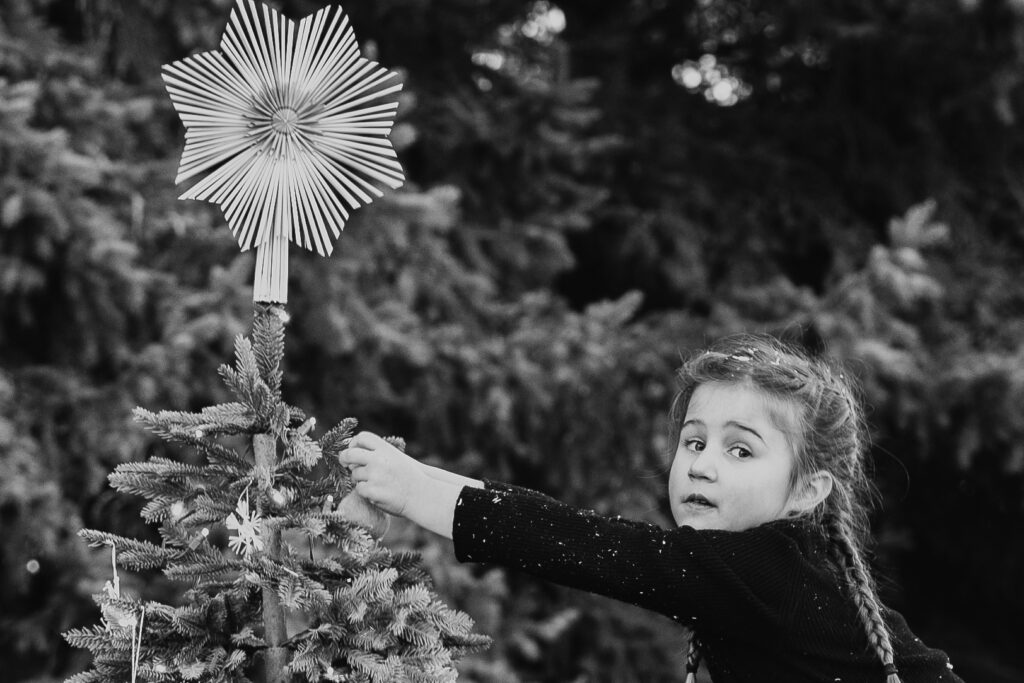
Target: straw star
(247, 526)
(290, 126)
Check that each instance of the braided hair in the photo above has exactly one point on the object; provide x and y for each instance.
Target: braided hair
(831, 435)
(692, 659)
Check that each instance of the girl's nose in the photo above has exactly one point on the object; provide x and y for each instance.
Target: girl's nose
(702, 467)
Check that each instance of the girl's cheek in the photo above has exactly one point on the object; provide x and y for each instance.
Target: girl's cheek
(678, 468)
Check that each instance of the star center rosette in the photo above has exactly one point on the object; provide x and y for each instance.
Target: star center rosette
(290, 125)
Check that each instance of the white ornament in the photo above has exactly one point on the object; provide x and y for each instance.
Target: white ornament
(246, 524)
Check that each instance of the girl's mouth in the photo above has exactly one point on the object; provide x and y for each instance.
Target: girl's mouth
(696, 501)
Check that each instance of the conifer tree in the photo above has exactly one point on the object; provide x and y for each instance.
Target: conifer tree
(302, 591)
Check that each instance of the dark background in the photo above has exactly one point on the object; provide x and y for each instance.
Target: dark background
(594, 190)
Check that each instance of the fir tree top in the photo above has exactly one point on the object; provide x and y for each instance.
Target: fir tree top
(300, 586)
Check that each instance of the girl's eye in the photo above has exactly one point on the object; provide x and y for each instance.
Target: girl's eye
(695, 445)
(740, 452)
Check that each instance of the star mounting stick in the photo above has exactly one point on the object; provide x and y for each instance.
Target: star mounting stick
(290, 126)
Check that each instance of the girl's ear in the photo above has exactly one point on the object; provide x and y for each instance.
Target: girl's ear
(810, 492)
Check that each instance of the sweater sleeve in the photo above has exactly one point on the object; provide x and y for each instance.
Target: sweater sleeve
(503, 487)
(725, 578)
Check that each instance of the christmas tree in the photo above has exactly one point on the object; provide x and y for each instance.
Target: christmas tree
(301, 590)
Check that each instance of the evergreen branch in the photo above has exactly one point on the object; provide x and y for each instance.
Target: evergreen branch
(177, 535)
(193, 671)
(314, 492)
(326, 632)
(226, 460)
(278, 417)
(189, 620)
(290, 593)
(227, 418)
(114, 668)
(247, 637)
(314, 525)
(93, 638)
(330, 571)
(379, 669)
(424, 671)
(296, 416)
(268, 335)
(415, 597)
(375, 584)
(234, 412)
(220, 457)
(418, 632)
(305, 450)
(181, 550)
(245, 363)
(334, 440)
(131, 554)
(158, 509)
(162, 479)
(236, 659)
(214, 505)
(372, 554)
(468, 644)
(207, 555)
(164, 421)
(410, 568)
(304, 592)
(235, 381)
(294, 587)
(90, 676)
(451, 622)
(351, 537)
(194, 434)
(245, 382)
(306, 663)
(197, 571)
(145, 484)
(163, 467)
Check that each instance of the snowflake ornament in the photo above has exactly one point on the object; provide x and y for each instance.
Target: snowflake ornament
(246, 524)
(291, 125)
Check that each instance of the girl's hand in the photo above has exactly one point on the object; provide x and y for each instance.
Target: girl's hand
(384, 475)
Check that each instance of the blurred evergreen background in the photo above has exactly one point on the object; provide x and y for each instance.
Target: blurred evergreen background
(595, 189)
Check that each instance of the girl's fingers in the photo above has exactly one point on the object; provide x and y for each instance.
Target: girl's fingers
(360, 488)
(365, 440)
(360, 448)
(354, 456)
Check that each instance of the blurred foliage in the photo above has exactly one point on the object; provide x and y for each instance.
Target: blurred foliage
(584, 206)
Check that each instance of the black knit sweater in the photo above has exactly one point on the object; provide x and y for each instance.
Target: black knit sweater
(766, 603)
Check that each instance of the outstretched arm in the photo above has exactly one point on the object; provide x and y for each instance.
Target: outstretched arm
(736, 580)
(400, 485)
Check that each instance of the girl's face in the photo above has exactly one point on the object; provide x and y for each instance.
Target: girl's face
(732, 466)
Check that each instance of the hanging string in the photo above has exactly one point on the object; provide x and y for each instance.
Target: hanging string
(116, 585)
(137, 645)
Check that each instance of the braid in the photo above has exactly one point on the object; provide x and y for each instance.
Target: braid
(692, 658)
(863, 589)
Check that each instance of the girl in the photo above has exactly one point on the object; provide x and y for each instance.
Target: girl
(769, 494)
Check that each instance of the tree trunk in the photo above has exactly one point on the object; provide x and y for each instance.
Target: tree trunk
(275, 656)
